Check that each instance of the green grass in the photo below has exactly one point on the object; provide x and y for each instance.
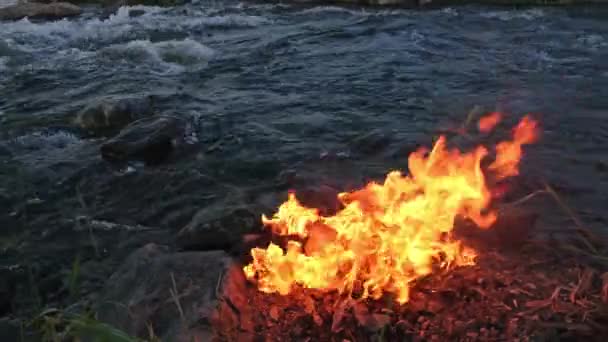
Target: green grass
(55, 325)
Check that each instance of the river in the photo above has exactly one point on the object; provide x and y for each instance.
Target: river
(279, 87)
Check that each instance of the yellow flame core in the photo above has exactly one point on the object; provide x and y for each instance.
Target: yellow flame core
(387, 235)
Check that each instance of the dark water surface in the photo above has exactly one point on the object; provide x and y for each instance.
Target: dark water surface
(278, 87)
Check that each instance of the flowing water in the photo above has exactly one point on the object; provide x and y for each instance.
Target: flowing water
(277, 87)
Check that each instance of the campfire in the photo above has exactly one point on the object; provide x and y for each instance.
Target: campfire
(395, 263)
(389, 235)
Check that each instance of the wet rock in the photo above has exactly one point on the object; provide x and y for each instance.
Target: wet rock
(150, 140)
(110, 115)
(55, 10)
(175, 293)
(134, 13)
(322, 197)
(219, 226)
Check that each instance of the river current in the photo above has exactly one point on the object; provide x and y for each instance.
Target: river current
(275, 87)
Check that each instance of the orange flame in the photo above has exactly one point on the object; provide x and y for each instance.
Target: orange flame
(487, 123)
(387, 235)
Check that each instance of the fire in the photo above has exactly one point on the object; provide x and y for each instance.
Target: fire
(487, 123)
(389, 234)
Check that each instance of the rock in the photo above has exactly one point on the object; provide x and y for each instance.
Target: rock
(219, 226)
(151, 140)
(134, 13)
(108, 115)
(175, 293)
(322, 197)
(55, 10)
(234, 310)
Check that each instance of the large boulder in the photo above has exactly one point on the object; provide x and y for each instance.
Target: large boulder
(55, 10)
(173, 293)
(150, 140)
(109, 115)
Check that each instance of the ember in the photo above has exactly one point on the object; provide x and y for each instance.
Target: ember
(389, 235)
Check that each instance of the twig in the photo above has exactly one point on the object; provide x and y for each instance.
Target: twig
(585, 234)
(472, 114)
(584, 282)
(526, 198)
(175, 298)
(218, 285)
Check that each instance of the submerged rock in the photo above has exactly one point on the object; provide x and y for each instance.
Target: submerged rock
(107, 115)
(150, 140)
(55, 10)
(219, 226)
(174, 293)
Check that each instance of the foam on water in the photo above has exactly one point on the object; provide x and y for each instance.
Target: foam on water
(548, 58)
(230, 20)
(450, 11)
(119, 27)
(362, 12)
(60, 32)
(170, 56)
(593, 41)
(333, 9)
(43, 141)
(529, 14)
